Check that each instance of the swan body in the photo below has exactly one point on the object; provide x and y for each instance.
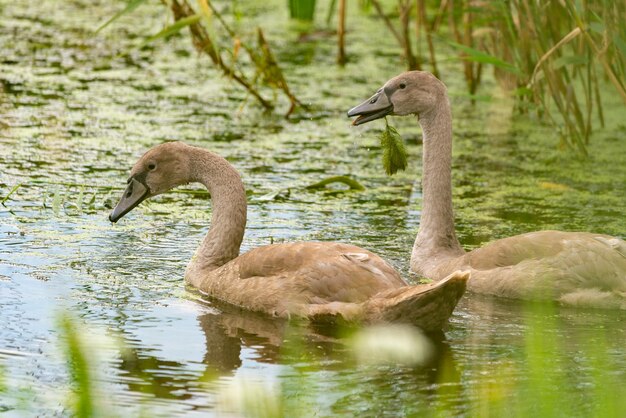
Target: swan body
(322, 281)
(574, 268)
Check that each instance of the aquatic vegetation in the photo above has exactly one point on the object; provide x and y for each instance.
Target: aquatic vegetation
(302, 9)
(8, 195)
(394, 153)
(554, 57)
(404, 9)
(202, 27)
(542, 388)
(560, 52)
(3, 386)
(341, 33)
(76, 109)
(554, 73)
(76, 354)
(348, 181)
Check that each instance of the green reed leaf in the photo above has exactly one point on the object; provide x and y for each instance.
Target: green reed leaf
(394, 153)
(348, 181)
(17, 186)
(56, 202)
(482, 57)
(76, 353)
(173, 28)
(132, 5)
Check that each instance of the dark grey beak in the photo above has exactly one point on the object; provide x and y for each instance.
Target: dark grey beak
(375, 107)
(135, 193)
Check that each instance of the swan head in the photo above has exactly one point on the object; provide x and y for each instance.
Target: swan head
(412, 92)
(162, 168)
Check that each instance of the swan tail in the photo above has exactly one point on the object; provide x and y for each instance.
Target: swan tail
(427, 306)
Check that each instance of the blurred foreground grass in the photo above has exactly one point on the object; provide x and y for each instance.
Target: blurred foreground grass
(542, 389)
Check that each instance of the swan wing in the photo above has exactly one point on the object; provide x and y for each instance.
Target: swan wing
(283, 278)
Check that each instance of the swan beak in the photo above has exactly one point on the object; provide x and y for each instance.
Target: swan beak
(375, 107)
(135, 193)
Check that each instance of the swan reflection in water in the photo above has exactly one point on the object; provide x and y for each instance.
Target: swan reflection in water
(487, 336)
(237, 341)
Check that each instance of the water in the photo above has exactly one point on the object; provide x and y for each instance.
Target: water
(75, 115)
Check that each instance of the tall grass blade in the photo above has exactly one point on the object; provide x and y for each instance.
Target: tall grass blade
(17, 186)
(206, 10)
(56, 202)
(331, 11)
(567, 38)
(79, 199)
(79, 367)
(302, 9)
(3, 385)
(132, 5)
(173, 28)
(484, 58)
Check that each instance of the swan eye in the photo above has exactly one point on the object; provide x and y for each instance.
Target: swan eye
(402, 86)
(151, 166)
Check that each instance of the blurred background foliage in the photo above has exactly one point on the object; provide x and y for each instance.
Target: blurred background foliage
(556, 58)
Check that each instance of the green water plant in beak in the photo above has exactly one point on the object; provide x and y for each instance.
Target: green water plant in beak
(394, 153)
(376, 107)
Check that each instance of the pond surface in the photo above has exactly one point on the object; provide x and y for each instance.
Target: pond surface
(77, 110)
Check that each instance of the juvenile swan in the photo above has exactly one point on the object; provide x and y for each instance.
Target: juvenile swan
(574, 268)
(322, 281)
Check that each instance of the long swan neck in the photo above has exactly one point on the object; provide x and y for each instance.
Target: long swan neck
(436, 240)
(228, 221)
